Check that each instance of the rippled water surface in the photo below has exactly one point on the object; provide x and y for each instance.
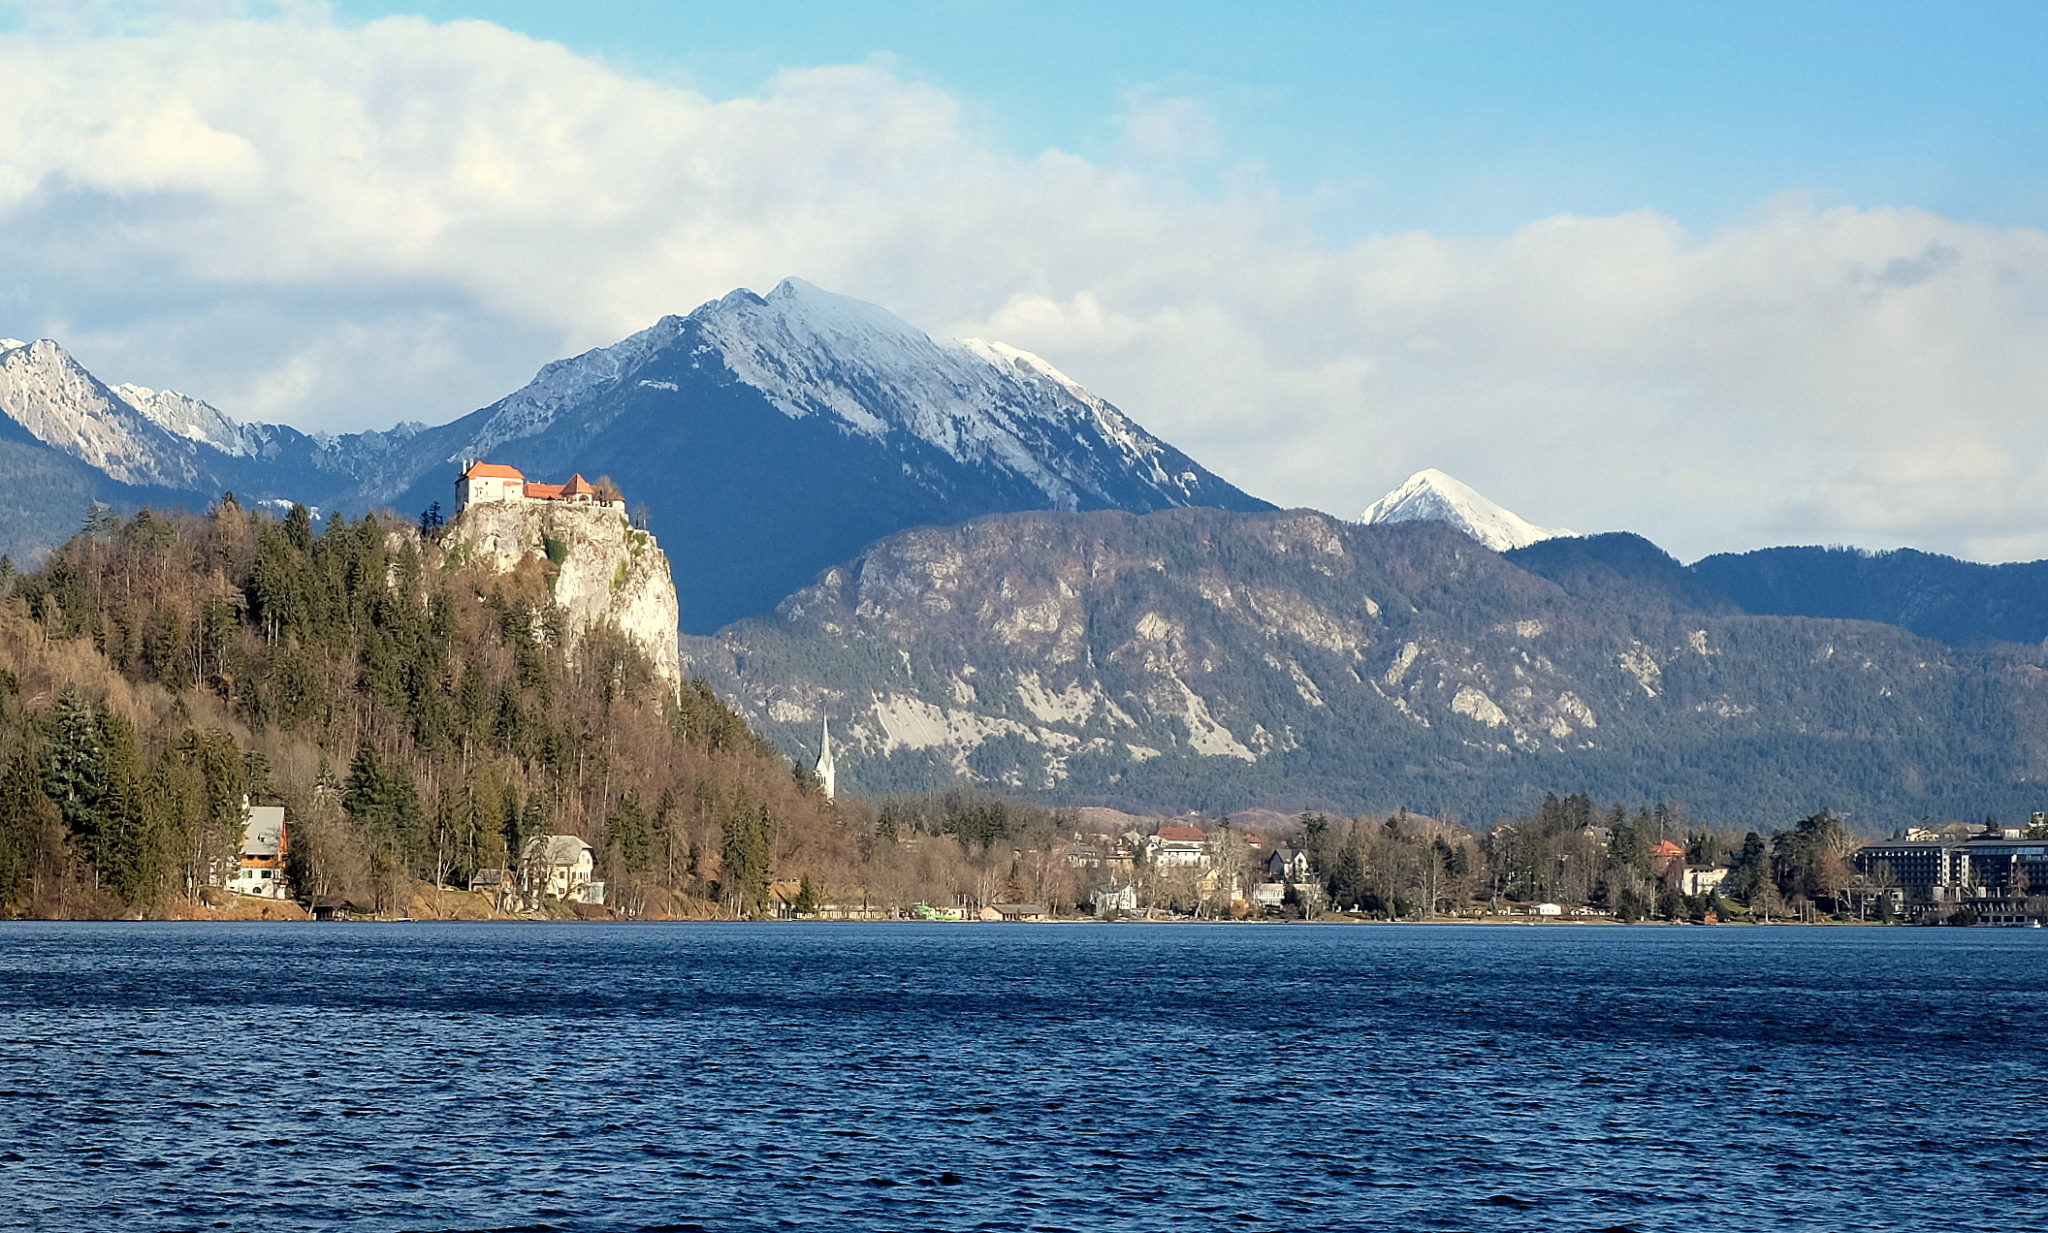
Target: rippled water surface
(734, 1077)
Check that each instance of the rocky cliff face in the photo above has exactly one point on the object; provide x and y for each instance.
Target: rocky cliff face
(1200, 658)
(607, 572)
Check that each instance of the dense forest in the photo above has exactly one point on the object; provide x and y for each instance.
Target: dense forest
(1960, 602)
(419, 719)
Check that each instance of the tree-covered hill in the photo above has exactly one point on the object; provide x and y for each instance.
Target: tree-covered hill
(1934, 596)
(419, 717)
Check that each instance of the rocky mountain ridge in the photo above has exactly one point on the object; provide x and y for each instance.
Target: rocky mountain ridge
(1205, 659)
(45, 391)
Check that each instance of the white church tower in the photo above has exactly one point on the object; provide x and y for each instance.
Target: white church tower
(827, 774)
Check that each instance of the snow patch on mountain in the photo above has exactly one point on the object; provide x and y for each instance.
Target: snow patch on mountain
(810, 352)
(565, 384)
(182, 415)
(1432, 496)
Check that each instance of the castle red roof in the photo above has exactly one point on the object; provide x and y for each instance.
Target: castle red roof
(493, 470)
(543, 492)
(578, 487)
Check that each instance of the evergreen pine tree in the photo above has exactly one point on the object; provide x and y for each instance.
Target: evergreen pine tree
(29, 831)
(298, 528)
(74, 774)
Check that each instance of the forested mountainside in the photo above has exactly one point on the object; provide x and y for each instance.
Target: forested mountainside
(45, 495)
(418, 715)
(1932, 595)
(1205, 659)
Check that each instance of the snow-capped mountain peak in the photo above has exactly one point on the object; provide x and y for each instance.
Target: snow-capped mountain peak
(9, 344)
(787, 430)
(563, 384)
(812, 353)
(182, 415)
(1431, 496)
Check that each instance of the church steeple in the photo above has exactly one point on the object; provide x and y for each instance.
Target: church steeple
(827, 773)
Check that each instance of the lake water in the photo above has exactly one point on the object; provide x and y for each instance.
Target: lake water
(740, 1077)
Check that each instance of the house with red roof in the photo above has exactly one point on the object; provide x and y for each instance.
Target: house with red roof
(489, 481)
(494, 481)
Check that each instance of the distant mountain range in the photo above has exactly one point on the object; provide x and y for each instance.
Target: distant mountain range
(768, 437)
(975, 566)
(1205, 659)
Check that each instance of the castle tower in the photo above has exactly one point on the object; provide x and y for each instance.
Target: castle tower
(827, 773)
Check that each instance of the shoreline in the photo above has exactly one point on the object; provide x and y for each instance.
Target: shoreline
(1327, 922)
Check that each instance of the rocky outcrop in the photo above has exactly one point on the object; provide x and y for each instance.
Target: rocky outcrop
(606, 570)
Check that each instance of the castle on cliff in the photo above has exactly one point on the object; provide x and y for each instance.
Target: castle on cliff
(494, 481)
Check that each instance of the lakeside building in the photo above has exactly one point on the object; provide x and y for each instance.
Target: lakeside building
(1178, 847)
(498, 885)
(259, 866)
(1014, 912)
(1288, 865)
(1110, 897)
(2004, 880)
(561, 867)
(1667, 856)
(1702, 879)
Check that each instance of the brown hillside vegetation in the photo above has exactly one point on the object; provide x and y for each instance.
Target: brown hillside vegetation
(419, 719)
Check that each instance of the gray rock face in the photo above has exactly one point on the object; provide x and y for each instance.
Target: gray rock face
(1214, 660)
(51, 396)
(608, 572)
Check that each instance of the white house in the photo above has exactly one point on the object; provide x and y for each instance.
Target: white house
(1700, 879)
(1178, 847)
(1288, 865)
(1112, 898)
(489, 481)
(260, 867)
(560, 867)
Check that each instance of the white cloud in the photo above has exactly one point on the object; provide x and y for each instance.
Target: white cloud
(344, 226)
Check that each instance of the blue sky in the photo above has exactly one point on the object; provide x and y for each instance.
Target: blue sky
(1727, 274)
(1459, 116)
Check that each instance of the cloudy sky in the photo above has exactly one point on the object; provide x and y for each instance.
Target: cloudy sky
(1726, 274)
